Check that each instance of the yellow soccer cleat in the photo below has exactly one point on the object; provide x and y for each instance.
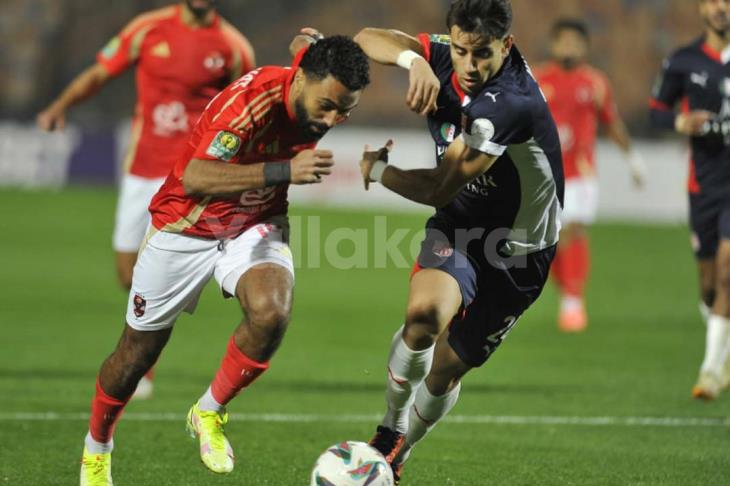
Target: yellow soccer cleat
(215, 450)
(96, 469)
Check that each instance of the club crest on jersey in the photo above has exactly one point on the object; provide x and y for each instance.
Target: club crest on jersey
(214, 62)
(442, 249)
(224, 146)
(725, 87)
(140, 305)
(448, 131)
(111, 48)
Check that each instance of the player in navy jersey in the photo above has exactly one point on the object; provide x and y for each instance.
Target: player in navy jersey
(697, 77)
(497, 190)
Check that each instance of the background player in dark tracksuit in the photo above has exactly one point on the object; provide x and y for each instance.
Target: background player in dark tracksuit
(697, 77)
(498, 191)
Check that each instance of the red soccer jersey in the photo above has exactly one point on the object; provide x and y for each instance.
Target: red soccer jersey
(247, 123)
(578, 100)
(179, 69)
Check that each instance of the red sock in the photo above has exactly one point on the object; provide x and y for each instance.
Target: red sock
(237, 371)
(105, 411)
(576, 266)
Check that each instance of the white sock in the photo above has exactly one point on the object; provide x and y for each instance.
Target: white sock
(208, 404)
(716, 344)
(571, 303)
(95, 447)
(406, 371)
(705, 311)
(425, 413)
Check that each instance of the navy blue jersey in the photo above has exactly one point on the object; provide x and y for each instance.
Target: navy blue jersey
(521, 194)
(698, 78)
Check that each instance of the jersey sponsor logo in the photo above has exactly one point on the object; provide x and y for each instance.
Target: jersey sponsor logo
(162, 49)
(440, 38)
(140, 305)
(111, 48)
(482, 128)
(169, 119)
(214, 61)
(481, 185)
(699, 79)
(224, 146)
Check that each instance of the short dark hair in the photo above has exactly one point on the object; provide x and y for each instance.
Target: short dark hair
(489, 18)
(576, 25)
(340, 57)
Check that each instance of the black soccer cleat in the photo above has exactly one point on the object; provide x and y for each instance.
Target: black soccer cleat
(388, 442)
(396, 468)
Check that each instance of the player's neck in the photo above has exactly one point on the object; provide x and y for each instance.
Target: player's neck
(190, 19)
(717, 41)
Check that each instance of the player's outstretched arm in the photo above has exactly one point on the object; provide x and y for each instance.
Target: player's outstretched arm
(619, 134)
(217, 178)
(433, 187)
(392, 47)
(82, 87)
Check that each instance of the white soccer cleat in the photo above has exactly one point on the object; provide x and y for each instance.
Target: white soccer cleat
(708, 386)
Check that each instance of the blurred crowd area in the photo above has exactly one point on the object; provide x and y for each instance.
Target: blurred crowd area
(45, 43)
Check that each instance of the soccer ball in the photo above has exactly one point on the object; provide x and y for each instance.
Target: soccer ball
(351, 464)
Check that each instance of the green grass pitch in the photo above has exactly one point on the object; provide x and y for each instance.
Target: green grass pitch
(61, 313)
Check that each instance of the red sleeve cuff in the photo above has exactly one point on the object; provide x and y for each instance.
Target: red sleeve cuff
(425, 41)
(655, 104)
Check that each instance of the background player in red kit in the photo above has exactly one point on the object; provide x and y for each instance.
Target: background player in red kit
(580, 97)
(222, 213)
(697, 77)
(184, 55)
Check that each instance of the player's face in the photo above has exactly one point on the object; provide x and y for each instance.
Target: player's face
(716, 14)
(322, 104)
(476, 59)
(569, 48)
(200, 8)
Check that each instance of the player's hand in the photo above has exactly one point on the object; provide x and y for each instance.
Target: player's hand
(51, 119)
(309, 166)
(306, 36)
(637, 167)
(693, 123)
(424, 88)
(369, 157)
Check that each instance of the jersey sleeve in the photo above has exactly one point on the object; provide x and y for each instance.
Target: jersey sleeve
(605, 102)
(243, 58)
(669, 86)
(494, 121)
(123, 50)
(436, 49)
(667, 92)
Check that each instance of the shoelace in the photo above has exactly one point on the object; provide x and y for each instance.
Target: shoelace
(96, 467)
(213, 424)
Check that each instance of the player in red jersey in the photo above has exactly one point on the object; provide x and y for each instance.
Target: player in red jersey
(184, 55)
(222, 212)
(580, 98)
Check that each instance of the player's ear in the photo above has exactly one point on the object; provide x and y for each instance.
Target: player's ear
(298, 81)
(507, 44)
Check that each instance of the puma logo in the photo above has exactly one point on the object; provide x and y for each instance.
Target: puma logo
(492, 95)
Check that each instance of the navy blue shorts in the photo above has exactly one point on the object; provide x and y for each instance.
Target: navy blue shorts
(709, 219)
(494, 294)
